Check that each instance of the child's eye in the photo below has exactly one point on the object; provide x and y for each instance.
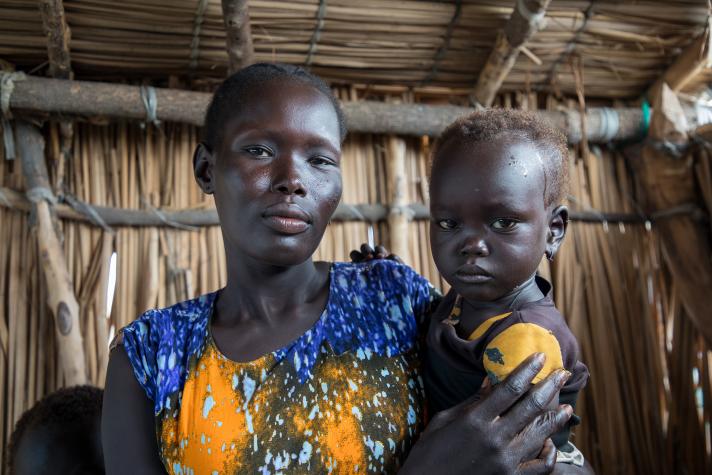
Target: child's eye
(447, 224)
(258, 151)
(504, 224)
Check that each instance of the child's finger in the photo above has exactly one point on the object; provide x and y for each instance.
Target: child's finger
(367, 251)
(393, 257)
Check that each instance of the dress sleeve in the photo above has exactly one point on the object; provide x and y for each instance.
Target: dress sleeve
(424, 297)
(140, 343)
(514, 344)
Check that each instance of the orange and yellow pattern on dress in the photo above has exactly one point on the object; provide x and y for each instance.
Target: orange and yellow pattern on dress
(344, 397)
(360, 412)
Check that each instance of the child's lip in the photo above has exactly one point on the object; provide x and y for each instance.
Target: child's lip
(472, 278)
(472, 274)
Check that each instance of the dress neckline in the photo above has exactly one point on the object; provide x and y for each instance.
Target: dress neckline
(276, 353)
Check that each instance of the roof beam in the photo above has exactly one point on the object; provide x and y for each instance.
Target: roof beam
(692, 61)
(91, 99)
(54, 24)
(527, 18)
(238, 35)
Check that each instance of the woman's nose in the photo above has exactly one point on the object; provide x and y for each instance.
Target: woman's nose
(475, 246)
(287, 178)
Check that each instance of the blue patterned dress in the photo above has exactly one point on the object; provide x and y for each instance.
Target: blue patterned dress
(345, 397)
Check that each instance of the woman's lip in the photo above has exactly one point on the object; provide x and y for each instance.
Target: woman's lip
(286, 210)
(286, 224)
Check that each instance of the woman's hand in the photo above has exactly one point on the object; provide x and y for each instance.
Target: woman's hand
(367, 253)
(505, 432)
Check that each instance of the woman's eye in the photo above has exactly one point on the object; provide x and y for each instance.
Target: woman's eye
(258, 151)
(504, 224)
(321, 161)
(447, 224)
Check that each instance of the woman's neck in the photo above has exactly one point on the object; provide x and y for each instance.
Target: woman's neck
(258, 291)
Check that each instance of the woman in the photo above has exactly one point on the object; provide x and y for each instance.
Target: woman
(297, 366)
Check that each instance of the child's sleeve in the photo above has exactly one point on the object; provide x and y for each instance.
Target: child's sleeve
(514, 344)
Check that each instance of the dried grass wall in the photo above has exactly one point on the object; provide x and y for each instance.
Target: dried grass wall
(650, 369)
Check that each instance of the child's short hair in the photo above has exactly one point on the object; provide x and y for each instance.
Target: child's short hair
(490, 124)
(230, 96)
(67, 409)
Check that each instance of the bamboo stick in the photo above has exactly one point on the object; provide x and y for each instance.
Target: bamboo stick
(398, 215)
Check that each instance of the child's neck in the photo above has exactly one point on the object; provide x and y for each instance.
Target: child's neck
(475, 312)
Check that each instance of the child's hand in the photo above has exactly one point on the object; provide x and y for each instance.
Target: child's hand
(367, 253)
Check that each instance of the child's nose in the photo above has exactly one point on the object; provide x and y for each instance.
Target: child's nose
(475, 247)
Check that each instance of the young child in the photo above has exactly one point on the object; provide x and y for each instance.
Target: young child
(59, 435)
(497, 182)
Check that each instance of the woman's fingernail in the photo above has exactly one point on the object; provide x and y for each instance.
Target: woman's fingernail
(562, 376)
(539, 358)
(568, 410)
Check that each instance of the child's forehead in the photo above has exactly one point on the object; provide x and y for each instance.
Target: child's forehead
(491, 173)
(511, 158)
(499, 148)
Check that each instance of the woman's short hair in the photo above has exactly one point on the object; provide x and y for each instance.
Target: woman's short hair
(231, 95)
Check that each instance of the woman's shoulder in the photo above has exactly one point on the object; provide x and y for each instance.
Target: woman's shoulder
(161, 342)
(174, 320)
(376, 305)
(377, 275)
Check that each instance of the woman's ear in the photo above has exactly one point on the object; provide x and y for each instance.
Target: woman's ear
(558, 222)
(203, 164)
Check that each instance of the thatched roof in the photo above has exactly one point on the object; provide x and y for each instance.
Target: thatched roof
(625, 46)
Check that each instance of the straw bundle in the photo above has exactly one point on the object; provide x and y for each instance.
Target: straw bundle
(626, 46)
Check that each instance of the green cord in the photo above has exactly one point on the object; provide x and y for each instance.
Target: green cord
(645, 120)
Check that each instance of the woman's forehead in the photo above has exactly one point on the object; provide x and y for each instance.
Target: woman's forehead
(288, 106)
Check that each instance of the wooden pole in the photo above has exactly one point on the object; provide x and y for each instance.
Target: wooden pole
(373, 213)
(692, 61)
(86, 98)
(527, 18)
(399, 215)
(60, 291)
(54, 23)
(240, 52)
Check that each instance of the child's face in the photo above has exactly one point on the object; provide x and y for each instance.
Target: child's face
(489, 227)
(73, 450)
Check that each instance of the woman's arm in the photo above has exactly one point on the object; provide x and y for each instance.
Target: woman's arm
(501, 433)
(128, 429)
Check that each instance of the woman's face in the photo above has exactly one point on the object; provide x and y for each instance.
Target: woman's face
(276, 175)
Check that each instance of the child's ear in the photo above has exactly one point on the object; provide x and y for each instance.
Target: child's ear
(203, 163)
(558, 222)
